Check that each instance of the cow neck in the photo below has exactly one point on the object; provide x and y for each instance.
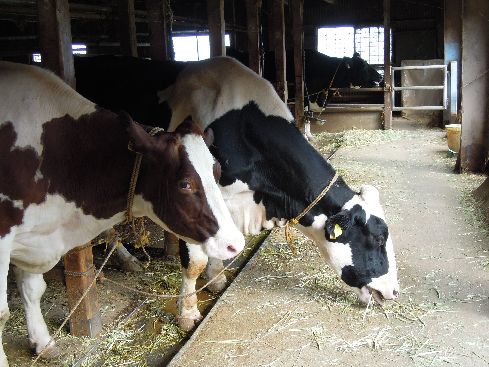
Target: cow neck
(272, 157)
(88, 162)
(135, 174)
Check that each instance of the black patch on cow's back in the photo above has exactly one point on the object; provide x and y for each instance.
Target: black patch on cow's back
(270, 154)
(128, 83)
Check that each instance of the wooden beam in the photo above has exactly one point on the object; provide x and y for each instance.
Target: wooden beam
(297, 10)
(127, 28)
(278, 30)
(387, 66)
(55, 38)
(215, 13)
(79, 274)
(158, 30)
(253, 22)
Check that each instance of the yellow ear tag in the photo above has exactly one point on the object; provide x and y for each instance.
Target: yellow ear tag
(337, 232)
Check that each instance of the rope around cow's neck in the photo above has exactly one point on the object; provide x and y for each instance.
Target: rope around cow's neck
(294, 221)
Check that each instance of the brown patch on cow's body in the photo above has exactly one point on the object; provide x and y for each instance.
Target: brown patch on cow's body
(87, 161)
(18, 167)
(9, 216)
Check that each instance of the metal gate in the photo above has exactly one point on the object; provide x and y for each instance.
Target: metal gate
(419, 87)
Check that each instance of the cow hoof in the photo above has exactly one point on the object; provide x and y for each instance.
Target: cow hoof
(49, 352)
(218, 285)
(187, 324)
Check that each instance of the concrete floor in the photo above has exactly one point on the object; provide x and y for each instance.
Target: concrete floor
(292, 311)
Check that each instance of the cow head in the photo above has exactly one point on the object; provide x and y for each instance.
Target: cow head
(359, 247)
(179, 191)
(361, 74)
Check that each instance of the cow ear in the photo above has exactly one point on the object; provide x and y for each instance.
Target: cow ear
(337, 224)
(142, 142)
(209, 137)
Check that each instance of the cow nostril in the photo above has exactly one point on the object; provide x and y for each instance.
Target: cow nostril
(232, 249)
(395, 293)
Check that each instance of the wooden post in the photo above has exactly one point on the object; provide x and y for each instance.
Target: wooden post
(388, 102)
(278, 28)
(79, 274)
(158, 30)
(297, 10)
(55, 38)
(475, 86)
(253, 22)
(127, 28)
(172, 249)
(215, 13)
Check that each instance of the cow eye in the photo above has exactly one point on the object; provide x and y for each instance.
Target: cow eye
(184, 185)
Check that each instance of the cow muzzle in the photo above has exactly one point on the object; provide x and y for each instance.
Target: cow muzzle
(223, 245)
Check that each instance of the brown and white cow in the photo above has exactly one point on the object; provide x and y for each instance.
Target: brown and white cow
(64, 175)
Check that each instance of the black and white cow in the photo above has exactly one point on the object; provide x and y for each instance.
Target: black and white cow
(270, 173)
(64, 178)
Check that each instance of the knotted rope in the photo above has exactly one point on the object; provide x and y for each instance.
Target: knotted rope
(288, 234)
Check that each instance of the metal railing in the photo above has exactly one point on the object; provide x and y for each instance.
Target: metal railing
(420, 87)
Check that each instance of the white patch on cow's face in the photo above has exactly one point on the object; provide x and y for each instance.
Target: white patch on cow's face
(336, 254)
(228, 241)
(37, 89)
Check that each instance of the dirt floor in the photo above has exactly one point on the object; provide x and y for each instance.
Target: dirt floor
(292, 311)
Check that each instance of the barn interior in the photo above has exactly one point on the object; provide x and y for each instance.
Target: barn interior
(433, 56)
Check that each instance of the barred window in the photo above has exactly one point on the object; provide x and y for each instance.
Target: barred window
(344, 41)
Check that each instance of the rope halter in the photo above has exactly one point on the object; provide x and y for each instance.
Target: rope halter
(294, 221)
(135, 174)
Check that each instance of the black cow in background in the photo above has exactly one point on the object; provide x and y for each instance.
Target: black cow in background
(321, 72)
(127, 83)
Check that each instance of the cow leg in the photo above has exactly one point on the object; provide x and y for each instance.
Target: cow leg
(193, 261)
(5, 246)
(214, 266)
(31, 288)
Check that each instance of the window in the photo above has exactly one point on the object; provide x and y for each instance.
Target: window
(78, 49)
(369, 43)
(193, 48)
(336, 42)
(344, 41)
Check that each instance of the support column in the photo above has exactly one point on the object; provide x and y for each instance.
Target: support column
(388, 102)
(79, 274)
(475, 86)
(158, 29)
(253, 23)
(215, 13)
(453, 52)
(297, 11)
(127, 28)
(55, 38)
(278, 30)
